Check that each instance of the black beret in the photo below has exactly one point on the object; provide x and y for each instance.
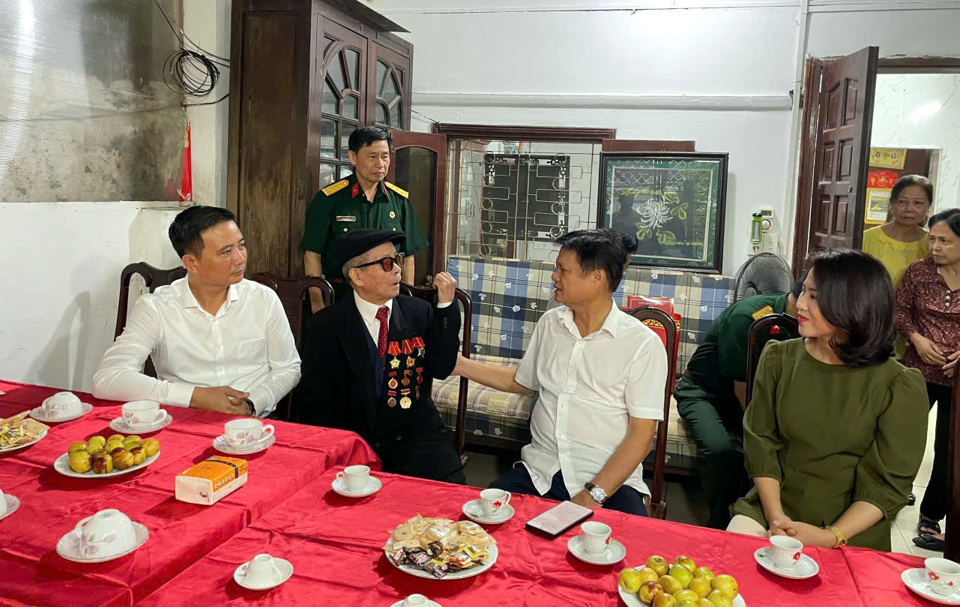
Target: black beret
(358, 242)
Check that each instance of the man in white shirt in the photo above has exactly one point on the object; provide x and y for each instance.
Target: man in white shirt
(217, 341)
(600, 374)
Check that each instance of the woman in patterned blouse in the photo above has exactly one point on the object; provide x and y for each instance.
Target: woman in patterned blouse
(928, 316)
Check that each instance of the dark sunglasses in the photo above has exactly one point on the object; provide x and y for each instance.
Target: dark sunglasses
(386, 263)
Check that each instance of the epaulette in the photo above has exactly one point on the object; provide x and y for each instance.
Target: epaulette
(400, 191)
(333, 188)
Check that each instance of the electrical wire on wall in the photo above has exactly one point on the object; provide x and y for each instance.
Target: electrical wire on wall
(192, 72)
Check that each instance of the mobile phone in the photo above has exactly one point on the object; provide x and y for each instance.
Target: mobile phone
(558, 519)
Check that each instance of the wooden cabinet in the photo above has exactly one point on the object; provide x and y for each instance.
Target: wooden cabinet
(304, 75)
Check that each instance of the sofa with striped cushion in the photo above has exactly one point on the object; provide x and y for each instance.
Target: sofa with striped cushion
(509, 296)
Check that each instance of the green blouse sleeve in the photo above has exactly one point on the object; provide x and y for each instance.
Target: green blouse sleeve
(761, 434)
(885, 473)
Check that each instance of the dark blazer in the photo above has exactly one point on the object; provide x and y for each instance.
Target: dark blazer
(338, 387)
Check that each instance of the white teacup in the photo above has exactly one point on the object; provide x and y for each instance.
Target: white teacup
(355, 477)
(3, 504)
(416, 600)
(785, 551)
(246, 432)
(142, 413)
(62, 404)
(262, 571)
(596, 537)
(106, 533)
(943, 575)
(493, 501)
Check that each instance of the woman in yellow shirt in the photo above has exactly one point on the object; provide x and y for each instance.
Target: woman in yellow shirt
(901, 242)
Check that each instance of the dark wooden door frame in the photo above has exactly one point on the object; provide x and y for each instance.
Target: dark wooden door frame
(437, 144)
(808, 127)
(523, 133)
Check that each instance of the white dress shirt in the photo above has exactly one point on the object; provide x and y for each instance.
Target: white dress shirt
(368, 312)
(247, 346)
(588, 386)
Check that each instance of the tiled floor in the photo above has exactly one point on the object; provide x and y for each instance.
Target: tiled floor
(686, 504)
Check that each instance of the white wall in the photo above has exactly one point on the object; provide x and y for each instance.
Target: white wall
(61, 274)
(207, 23)
(718, 72)
(902, 118)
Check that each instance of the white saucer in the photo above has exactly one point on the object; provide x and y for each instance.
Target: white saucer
(805, 568)
(39, 415)
(286, 570)
(614, 553)
(69, 546)
(12, 505)
(220, 444)
(373, 485)
(429, 603)
(474, 512)
(916, 580)
(118, 425)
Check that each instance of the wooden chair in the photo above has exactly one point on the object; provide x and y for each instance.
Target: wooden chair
(461, 297)
(152, 278)
(761, 326)
(952, 537)
(657, 506)
(295, 296)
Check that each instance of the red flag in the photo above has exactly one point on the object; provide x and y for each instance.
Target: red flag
(186, 182)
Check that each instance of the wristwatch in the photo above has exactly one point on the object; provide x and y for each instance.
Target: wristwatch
(597, 493)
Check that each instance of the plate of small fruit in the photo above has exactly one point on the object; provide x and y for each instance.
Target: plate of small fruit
(657, 583)
(104, 458)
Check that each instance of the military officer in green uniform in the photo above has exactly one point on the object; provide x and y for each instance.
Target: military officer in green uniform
(362, 200)
(710, 397)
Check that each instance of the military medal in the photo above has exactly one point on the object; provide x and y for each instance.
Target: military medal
(406, 381)
(411, 361)
(407, 372)
(392, 402)
(405, 402)
(392, 383)
(419, 345)
(393, 349)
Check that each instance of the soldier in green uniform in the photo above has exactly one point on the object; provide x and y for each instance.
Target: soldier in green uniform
(710, 397)
(362, 200)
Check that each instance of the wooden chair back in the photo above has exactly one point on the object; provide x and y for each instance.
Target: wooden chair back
(952, 538)
(657, 507)
(760, 327)
(294, 294)
(463, 298)
(152, 278)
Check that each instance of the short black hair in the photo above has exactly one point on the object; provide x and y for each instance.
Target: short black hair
(598, 250)
(188, 226)
(366, 135)
(951, 217)
(855, 294)
(909, 180)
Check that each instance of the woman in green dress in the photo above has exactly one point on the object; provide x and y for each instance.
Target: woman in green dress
(835, 432)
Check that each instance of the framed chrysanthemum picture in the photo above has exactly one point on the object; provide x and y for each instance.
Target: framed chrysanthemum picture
(671, 202)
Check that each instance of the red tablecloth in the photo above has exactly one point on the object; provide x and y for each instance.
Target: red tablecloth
(31, 572)
(334, 544)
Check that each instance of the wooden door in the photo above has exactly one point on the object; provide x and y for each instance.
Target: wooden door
(388, 102)
(419, 166)
(834, 203)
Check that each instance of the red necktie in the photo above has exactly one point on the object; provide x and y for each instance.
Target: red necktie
(384, 328)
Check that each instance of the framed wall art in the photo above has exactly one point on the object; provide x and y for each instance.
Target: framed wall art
(672, 202)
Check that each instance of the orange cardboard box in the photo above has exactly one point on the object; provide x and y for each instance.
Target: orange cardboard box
(212, 479)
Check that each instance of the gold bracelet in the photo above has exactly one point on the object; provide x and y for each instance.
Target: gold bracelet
(841, 538)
